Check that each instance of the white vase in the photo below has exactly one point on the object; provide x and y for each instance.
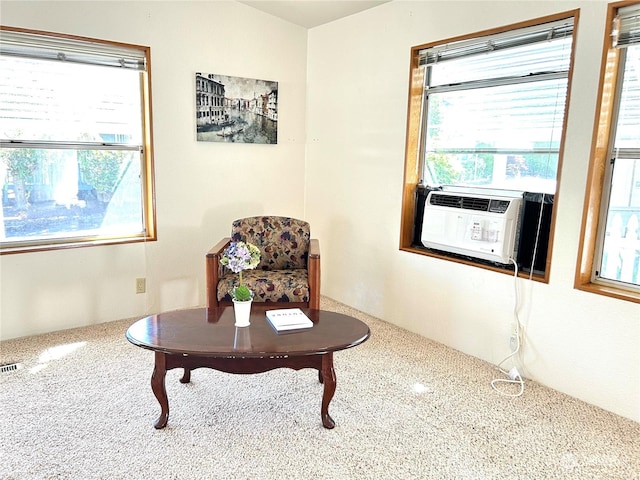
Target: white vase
(242, 311)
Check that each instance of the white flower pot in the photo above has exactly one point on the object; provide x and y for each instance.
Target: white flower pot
(242, 311)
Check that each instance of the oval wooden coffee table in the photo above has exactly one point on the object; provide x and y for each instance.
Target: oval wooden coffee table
(202, 337)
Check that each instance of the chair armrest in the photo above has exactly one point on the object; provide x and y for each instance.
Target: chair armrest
(313, 267)
(213, 270)
(219, 247)
(314, 248)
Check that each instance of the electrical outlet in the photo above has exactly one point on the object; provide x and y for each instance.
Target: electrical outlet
(141, 285)
(513, 342)
(514, 338)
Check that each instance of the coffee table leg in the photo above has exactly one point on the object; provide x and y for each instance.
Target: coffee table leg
(329, 381)
(159, 390)
(186, 376)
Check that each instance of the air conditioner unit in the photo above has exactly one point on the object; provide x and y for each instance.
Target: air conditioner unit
(478, 225)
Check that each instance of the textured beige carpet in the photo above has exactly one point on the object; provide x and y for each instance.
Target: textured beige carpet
(81, 407)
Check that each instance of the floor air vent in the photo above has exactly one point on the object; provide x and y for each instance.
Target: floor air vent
(9, 367)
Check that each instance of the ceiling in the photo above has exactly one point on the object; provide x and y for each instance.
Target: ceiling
(311, 13)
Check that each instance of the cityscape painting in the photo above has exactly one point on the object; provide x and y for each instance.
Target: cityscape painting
(236, 109)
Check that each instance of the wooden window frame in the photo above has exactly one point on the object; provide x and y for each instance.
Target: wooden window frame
(597, 168)
(147, 182)
(413, 158)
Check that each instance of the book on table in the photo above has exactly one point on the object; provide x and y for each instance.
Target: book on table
(288, 320)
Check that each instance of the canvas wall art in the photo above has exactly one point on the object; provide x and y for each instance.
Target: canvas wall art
(236, 109)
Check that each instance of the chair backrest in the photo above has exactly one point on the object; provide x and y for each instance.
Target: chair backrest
(283, 241)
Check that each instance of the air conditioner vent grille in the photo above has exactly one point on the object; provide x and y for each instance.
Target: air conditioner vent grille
(457, 201)
(444, 200)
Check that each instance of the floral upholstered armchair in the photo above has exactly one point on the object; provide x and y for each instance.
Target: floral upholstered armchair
(289, 268)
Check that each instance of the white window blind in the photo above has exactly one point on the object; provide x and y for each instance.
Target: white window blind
(501, 41)
(495, 119)
(48, 47)
(626, 26)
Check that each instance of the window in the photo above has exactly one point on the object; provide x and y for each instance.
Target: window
(76, 161)
(487, 111)
(609, 259)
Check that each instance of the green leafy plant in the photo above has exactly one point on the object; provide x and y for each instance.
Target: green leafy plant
(21, 163)
(102, 169)
(237, 257)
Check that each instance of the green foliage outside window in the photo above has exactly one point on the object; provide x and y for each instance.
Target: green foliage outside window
(101, 169)
(21, 164)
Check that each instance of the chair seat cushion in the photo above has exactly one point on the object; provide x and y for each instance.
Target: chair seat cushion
(268, 285)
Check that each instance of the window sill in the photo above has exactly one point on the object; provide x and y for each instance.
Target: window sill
(28, 248)
(507, 269)
(608, 291)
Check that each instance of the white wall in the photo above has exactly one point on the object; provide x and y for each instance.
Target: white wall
(358, 70)
(200, 187)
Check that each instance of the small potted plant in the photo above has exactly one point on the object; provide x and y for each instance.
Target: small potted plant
(237, 257)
